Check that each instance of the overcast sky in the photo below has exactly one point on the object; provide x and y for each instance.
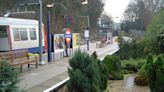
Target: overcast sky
(115, 8)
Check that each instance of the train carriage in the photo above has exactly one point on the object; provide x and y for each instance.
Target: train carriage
(18, 34)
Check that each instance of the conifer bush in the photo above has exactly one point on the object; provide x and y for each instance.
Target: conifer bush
(8, 77)
(155, 73)
(113, 67)
(84, 73)
(103, 75)
(94, 55)
(102, 70)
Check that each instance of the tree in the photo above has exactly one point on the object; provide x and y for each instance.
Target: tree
(106, 19)
(7, 5)
(154, 33)
(93, 9)
(139, 13)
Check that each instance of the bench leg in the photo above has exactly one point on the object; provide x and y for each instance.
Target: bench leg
(61, 55)
(28, 65)
(21, 68)
(36, 65)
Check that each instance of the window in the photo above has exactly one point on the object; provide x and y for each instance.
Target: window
(23, 33)
(32, 33)
(16, 34)
(3, 32)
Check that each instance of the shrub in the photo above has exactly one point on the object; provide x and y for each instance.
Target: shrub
(103, 75)
(114, 67)
(113, 63)
(117, 75)
(94, 55)
(131, 65)
(155, 73)
(160, 41)
(134, 49)
(8, 78)
(102, 70)
(84, 73)
(141, 78)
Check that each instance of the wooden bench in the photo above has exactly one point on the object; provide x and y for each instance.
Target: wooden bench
(19, 58)
(101, 44)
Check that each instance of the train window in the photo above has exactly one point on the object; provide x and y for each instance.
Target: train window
(23, 33)
(16, 34)
(3, 32)
(32, 33)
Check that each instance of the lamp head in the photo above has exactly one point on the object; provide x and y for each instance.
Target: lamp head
(85, 2)
(50, 5)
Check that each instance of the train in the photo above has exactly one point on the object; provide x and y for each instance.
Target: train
(16, 34)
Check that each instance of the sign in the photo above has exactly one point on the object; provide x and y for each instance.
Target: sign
(67, 31)
(68, 35)
(75, 40)
(59, 41)
(86, 33)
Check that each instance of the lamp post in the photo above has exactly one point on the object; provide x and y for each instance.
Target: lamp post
(48, 32)
(87, 31)
(40, 34)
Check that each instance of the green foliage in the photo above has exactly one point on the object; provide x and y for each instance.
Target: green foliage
(160, 40)
(141, 78)
(155, 73)
(78, 82)
(132, 65)
(103, 72)
(103, 75)
(116, 75)
(154, 34)
(8, 78)
(142, 12)
(83, 67)
(114, 67)
(113, 63)
(94, 55)
(152, 42)
(142, 71)
(134, 49)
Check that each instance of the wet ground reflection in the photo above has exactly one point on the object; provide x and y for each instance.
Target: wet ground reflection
(126, 85)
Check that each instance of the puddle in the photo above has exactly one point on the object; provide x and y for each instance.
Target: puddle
(126, 85)
(129, 83)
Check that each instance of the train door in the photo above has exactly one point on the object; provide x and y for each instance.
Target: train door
(4, 38)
